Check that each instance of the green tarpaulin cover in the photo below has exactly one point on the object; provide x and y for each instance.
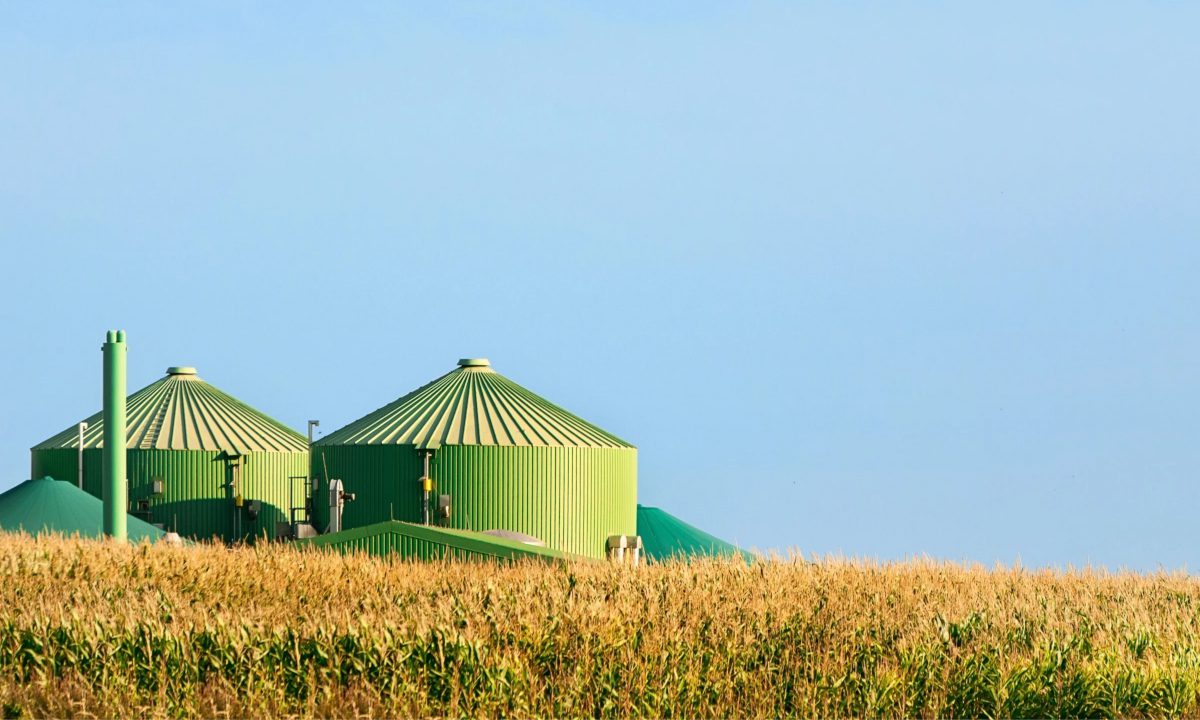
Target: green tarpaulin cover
(665, 536)
(49, 505)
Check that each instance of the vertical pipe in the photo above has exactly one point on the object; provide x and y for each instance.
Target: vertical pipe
(115, 490)
(82, 426)
(237, 503)
(310, 484)
(426, 486)
(336, 503)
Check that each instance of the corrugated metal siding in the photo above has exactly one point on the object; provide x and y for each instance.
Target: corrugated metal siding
(58, 464)
(196, 502)
(266, 478)
(384, 477)
(572, 498)
(404, 547)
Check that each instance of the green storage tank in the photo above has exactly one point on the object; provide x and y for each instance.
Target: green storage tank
(199, 462)
(507, 459)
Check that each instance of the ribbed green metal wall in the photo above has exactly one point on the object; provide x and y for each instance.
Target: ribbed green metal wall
(384, 477)
(196, 500)
(395, 544)
(573, 498)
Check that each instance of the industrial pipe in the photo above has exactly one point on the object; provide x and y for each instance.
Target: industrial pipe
(82, 426)
(115, 491)
(426, 487)
(338, 498)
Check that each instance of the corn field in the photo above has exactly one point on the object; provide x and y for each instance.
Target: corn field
(95, 629)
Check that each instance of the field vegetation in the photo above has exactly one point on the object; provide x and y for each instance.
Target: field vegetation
(94, 629)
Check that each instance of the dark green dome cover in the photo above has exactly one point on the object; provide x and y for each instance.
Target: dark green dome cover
(665, 536)
(49, 505)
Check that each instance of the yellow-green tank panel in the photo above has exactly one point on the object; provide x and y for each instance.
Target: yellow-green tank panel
(572, 498)
(508, 458)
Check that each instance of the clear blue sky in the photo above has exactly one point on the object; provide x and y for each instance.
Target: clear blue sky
(872, 278)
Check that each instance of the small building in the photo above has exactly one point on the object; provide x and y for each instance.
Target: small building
(475, 451)
(410, 541)
(199, 461)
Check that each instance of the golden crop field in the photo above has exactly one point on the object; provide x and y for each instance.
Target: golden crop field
(94, 629)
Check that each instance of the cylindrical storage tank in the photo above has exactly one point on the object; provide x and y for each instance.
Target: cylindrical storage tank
(507, 458)
(198, 461)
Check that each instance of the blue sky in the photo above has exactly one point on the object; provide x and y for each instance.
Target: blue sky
(877, 279)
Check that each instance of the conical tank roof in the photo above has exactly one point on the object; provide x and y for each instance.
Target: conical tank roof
(472, 405)
(182, 412)
(49, 505)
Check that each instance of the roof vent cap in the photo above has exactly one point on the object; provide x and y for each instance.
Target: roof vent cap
(474, 362)
(181, 370)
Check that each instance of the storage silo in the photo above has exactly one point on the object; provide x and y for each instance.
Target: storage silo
(506, 458)
(199, 461)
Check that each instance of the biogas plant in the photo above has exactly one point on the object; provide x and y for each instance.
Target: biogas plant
(470, 465)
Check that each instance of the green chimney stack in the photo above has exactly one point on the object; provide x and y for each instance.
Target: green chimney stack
(115, 491)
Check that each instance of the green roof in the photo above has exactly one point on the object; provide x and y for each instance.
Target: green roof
(183, 412)
(49, 505)
(472, 405)
(428, 542)
(665, 536)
